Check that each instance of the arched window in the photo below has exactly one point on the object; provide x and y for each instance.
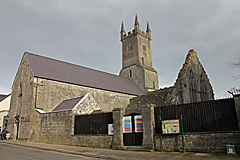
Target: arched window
(130, 74)
(192, 87)
(203, 88)
(20, 90)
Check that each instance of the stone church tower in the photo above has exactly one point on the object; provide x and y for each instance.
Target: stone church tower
(137, 58)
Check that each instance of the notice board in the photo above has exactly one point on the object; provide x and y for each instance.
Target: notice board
(170, 126)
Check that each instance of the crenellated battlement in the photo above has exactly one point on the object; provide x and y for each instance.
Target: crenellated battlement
(135, 31)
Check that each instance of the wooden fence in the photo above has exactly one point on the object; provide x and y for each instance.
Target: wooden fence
(217, 115)
(93, 123)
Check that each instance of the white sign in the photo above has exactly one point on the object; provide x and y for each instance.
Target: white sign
(110, 129)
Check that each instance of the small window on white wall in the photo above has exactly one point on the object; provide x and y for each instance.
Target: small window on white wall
(130, 74)
(130, 48)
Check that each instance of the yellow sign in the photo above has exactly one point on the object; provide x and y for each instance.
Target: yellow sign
(170, 126)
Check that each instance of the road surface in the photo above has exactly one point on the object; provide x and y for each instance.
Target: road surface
(13, 152)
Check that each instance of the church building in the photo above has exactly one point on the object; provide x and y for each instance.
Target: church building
(46, 85)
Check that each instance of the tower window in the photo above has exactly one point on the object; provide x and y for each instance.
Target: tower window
(130, 74)
(130, 48)
(153, 85)
(144, 48)
(142, 60)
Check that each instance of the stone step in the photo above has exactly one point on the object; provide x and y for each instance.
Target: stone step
(136, 148)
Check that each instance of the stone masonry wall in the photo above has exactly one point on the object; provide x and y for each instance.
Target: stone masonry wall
(93, 141)
(192, 81)
(162, 97)
(86, 106)
(57, 128)
(51, 93)
(200, 142)
(22, 101)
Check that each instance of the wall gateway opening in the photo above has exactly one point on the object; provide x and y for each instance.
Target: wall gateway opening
(132, 130)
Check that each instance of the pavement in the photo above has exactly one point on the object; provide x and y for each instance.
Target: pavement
(123, 155)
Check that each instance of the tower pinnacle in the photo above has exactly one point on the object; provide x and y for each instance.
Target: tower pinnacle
(122, 28)
(148, 30)
(136, 23)
(123, 33)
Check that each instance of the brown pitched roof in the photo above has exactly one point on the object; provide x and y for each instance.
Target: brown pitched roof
(52, 69)
(67, 104)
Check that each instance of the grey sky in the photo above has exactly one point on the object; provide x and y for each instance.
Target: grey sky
(87, 33)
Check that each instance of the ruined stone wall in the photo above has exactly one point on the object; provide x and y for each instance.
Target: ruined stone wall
(193, 81)
(162, 97)
(192, 85)
(22, 101)
(51, 93)
(207, 142)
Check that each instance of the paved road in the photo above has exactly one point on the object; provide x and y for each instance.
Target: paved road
(12, 152)
(84, 153)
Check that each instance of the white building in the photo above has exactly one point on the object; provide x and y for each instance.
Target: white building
(4, 108)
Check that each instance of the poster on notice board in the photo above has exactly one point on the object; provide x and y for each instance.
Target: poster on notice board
(127, 124)
(170, 126)
(138, 123)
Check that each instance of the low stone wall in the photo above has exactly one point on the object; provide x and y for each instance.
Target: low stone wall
(58, 128)
(93, 141)
(207, 142)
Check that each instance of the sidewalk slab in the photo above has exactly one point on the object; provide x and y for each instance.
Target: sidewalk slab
(123, 155)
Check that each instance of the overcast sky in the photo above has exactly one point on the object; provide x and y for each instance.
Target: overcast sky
(87, 33)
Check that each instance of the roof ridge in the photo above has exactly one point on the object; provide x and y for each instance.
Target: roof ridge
(72, 98)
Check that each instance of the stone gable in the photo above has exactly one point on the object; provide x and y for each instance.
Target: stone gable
(86, 106)
(192, 85)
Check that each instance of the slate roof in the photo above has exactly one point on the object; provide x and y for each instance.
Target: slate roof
(52, 69)
(2, 97)
(67, 104)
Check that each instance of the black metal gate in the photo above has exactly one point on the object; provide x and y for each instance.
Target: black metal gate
(132, 138)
